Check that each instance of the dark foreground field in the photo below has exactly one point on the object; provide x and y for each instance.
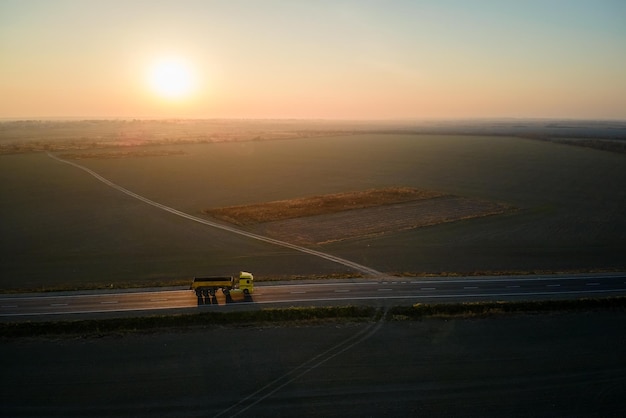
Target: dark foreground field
(62, 227)
(526, 365)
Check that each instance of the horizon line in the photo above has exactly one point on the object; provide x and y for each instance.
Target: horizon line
(308, 119)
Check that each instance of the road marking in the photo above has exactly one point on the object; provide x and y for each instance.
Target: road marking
(512, 286)
(298, 291)
(112, 302)
(553, 285)
(593, 284)
(341, 291)
(384, 290)
(445, 296)
(428, 288)
(58, 304)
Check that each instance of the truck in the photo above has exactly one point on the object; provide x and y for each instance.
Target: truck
(206, 287)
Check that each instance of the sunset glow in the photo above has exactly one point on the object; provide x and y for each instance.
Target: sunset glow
(336, 60)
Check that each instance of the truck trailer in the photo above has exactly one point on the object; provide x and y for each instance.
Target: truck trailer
(206, 287)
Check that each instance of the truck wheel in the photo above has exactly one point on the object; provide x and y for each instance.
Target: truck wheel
(246, 292)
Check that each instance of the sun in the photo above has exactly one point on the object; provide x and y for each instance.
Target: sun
(171, 78)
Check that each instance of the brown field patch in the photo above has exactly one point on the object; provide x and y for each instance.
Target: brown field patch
(317, 205)
(337, 217)
(324, 229)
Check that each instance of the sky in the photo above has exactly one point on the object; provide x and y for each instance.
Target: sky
(319, 59)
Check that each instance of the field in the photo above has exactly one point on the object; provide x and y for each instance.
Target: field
(17, 136)
(62, 226)
(524, 365)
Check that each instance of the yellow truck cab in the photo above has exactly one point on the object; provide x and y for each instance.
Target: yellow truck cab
(246, 282)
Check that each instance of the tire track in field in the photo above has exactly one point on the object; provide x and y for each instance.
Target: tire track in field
(355, 266)
(304, 368)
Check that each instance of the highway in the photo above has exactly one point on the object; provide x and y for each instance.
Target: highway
(386, 290)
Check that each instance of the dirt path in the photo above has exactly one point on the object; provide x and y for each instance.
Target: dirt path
(355, 266)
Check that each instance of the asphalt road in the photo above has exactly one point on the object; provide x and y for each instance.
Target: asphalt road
(383, 291)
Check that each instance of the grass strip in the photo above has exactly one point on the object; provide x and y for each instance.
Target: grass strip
(99, 327)
(301, 316)
(483, 309)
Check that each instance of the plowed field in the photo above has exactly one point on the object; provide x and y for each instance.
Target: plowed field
(347, 224)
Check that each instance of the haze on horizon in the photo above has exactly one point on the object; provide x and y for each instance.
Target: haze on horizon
(313, 59)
